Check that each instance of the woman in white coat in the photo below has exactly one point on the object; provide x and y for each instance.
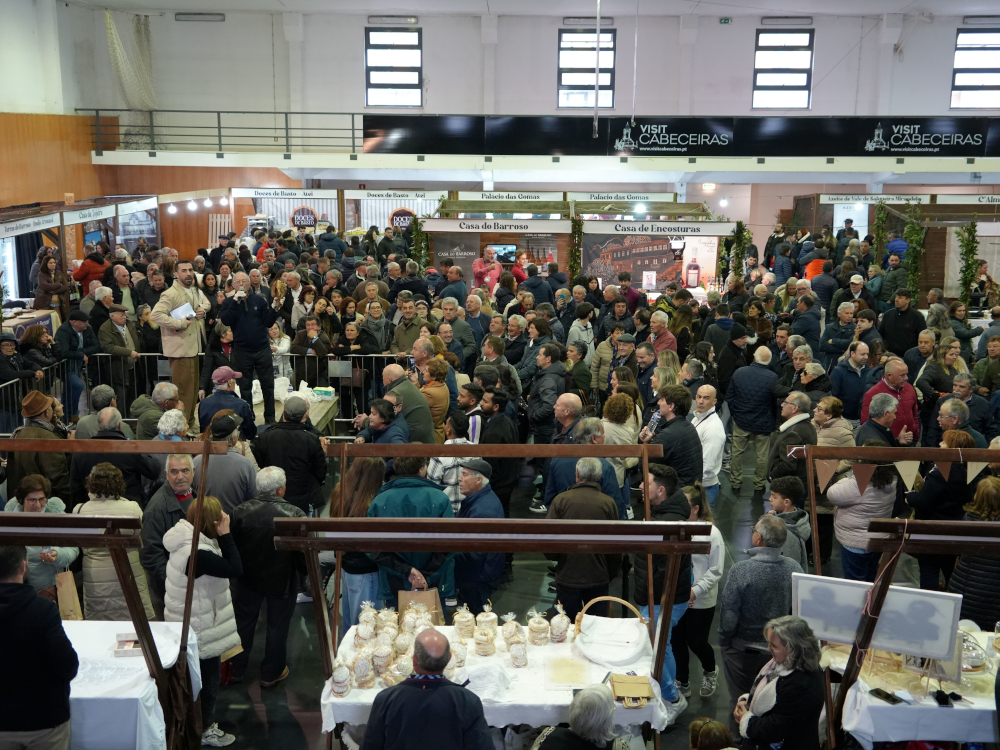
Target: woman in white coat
(212, 616)
(693, 628)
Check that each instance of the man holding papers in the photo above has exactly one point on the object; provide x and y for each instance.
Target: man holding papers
(180, 314)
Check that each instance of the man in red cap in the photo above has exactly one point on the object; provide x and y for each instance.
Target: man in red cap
(224, 397)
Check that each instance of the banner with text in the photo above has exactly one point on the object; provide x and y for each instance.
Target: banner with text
(689, 228)
(543, 226)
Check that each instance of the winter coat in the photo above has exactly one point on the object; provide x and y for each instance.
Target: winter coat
(681, 449)
(232, 479)
(412, 497)
(935, 381)
(311, 367)
(148, 415)
(212, 616)
(49, 287)
(547, 386)
(133, 466)
(16, 367)
(902, 329)
(579, 331)
(706, 571)
(944, 500)
(782, 269)
(249, 320)
(562, 476)
(836, 433)
(295, 447)
(608, 323)
(817, 388)
(846, 295)
(68, 345)
(712, 434)
(980, 420)
(41, 574)
(824, 286)
(52, 465)
(266, 571)
(807, 325)
(38, 660)
(799, 538)
(113, 342)
(396, 431)
(848, 384)
(785, 712)
(584, 501)
(836, 338)
(749, 398)
(414, 284)
(92, 269)
(436, 394)
(907, 410)
(103, 598)
(181, 338)
(895, 278)
(850, 524)
(717, 334)
(977, 579)
(965, 334)
(778, 462)
(729, 360)
(415, 410)
(758, 590)
(479, 567)
(674, 508)
(541, 290)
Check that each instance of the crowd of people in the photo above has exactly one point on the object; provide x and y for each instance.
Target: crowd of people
(801, 349)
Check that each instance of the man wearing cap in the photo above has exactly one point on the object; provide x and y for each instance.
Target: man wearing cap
(183, 336)
(75, 341)
(119, 338)
(733, 356)
(475, 570)
(232, 478)
(39, 414)
(218, 253)
(224, 397)
(856, 290)
(250, 315)
(296, 447)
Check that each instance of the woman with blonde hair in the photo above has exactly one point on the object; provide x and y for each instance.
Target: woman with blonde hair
(937, 376)
(976, 578)
(212, 616)
(441, 352)
(619, 409)
(669, 358)
(681, 324)
(280, 343)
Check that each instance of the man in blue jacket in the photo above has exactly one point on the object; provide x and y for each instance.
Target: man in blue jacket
(538, 287)
(562, 471)
(249, 315)
(475, 570)
(456, 286)
(752, 409)
(805, 321)
(848, 379)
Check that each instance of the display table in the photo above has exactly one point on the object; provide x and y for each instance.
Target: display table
(321, 413)
(530, 698)
(19, 324)
(871, 720)
(113, 701)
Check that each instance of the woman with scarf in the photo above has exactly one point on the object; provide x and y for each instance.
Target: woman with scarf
(355, 341)
(787, 697)
(378, 326)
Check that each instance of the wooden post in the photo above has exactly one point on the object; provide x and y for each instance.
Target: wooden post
(811, 479)
(339, 565)
(649, 558)
(328, 651)
(341, 214)
(666, 606)
(144, 634)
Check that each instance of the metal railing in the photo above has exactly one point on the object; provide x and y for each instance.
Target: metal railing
(224, 131)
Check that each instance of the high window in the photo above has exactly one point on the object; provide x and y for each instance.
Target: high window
(782, 69)
(576, 68)
(394, 67)
(975, 81)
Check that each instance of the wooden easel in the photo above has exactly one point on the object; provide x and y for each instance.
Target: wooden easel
(174, 685)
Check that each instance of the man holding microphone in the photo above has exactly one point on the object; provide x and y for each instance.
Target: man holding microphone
(249, 316)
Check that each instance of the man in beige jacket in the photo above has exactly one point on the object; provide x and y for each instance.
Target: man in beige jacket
(184, 338)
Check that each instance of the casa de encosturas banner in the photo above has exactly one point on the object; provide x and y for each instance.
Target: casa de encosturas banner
(615, 197)
(83, 215)
(969, 199)
(501, 195)
(32, 224)
(402, 195)
(691, 228)
(531, 226)
(873, 198)
(282, 193)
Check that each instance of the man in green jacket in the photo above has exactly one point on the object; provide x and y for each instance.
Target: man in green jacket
(414, 410)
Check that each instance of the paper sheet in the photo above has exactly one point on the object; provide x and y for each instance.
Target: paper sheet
(182, 312)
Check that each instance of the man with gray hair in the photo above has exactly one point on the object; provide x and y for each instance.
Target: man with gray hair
(757, 590)
(411, 283)
(796, 429)
(476, 572)
(101, 397)
(232, 478)
(562, 471)
(165, 509)
(976, 419)
(456, 285)
(953, 414)
(881, 415)
(751, 406)
(582, 577)
(432, 710)
(149, 409)
(249, 315)
(268, 574)
(295, 446)
(462, 330)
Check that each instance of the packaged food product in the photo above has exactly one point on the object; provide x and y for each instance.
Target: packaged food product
(408, 620)
(368, 614)
(464, 622)
(487, 618)
(518, 651)
(484, 641)
(511, 627)
(363, 634)
(424, 616)
(403, 643)
(559, 626)
(538, 628)
(391, 677)
(364, 673)
(387, 616)
(384, 638)
(382, 658)
(450, 667)
(461, 652)
(404, 664)
(340, 684)
(390, 629)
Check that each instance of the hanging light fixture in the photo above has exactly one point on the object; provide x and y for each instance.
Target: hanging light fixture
(223, 201)
(192, 206)
(723, 203)
(207, 203)
(171, 209)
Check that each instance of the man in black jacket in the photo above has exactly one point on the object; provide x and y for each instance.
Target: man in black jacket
(732, 357)
(249, 315)
(679, 438)
(795, 430)
(268, 574)
(37, 660)
(297, 448)
(411, 282)
(547, 385)
(498, 429)
(902, 325)
(667, 502)
(427, 710)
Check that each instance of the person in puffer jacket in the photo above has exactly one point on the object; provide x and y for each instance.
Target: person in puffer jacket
(212, 616)
(977, 579)
(786, 496)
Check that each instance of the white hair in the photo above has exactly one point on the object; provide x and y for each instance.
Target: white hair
(270, 479)
(474, 299)
(762, 355)
(769, 278)
(449, 301)
(660, 317)
(177, 457)
(163, 392)
(518, 320)
(772, 531)
(845, 306)
(803, 284)
(102, 293)
(172, 422)
(589, 469)
(109, 418)
(592, 715)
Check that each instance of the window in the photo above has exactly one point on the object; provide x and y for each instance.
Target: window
(576, 68)
(975, 82)
(782, 69)
(394, 67)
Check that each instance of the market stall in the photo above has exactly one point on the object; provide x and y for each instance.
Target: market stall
(387, 208)
(283, 208)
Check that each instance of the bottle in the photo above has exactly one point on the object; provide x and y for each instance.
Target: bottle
(692, 274)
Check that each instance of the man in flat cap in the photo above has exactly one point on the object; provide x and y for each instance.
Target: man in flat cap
(474, 571)
(119, 338)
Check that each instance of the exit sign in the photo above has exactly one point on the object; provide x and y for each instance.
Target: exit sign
(725, 20)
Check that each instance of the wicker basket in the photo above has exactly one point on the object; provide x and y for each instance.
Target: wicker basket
(579, 616)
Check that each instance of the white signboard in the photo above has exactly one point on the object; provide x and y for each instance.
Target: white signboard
(967, 199)
(134, 207)
(649, 279)
(530, 226)
(31, 224)
(515, 195)
(282, 193)
(988, 229)
(873, 198)
(81, 215)
(698, 228)
(633, 197)
(403, 195)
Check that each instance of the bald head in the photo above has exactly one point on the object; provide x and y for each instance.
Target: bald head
(431, 652)
(762, 356)
(568, 408)
(390, 373)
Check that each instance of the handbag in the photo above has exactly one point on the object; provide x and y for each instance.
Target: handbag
(632, 690)
(613, 641)
(67, 597)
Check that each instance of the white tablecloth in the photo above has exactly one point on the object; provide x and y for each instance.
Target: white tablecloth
(113, 701)
(872, 720)
(526, 701)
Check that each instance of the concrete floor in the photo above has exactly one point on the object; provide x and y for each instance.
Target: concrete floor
(288, 716)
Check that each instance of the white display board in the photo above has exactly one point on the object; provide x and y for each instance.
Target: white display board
(508, 195)
(533, 226)
(618, 197)
(912, 621)
(677, 228)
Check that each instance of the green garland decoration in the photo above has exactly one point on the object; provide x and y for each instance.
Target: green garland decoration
(421, 245)
(879, 231)
(575, 248)
(914, 235)
(742, 238)
(968, 241)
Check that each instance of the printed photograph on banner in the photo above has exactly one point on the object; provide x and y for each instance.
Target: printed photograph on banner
(461, 247)
(134, 226)
(685, 260)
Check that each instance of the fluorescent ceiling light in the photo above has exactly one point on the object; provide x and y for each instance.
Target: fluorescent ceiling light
(393, 20)
(786, 21)
(586, 21)
(981, 20)
(215, 17)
